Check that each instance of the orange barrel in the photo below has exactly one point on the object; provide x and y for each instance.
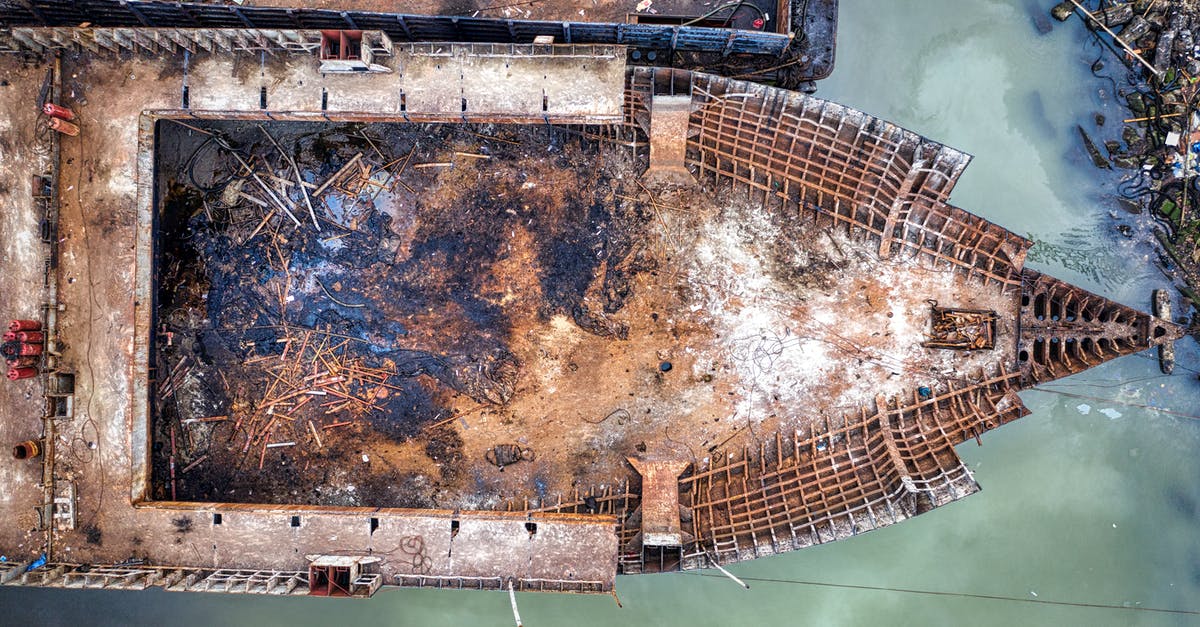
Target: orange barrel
(16, 374)
(56, 111)
(20, 362)
(27, 450)
(64, 127)
(24, 325)
(31, 337)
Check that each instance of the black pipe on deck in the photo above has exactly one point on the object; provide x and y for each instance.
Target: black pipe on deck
(400, 27)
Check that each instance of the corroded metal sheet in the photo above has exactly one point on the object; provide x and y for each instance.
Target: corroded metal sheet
(660, 501)
(668, 139)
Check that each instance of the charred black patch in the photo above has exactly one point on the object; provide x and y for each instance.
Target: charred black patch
(174, 243)
(458, 7)
(444, 447)
(406, 409)
(423, 265)
(93, 535)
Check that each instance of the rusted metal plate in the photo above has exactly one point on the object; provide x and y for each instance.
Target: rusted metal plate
(660, 501)
(668, 139)
(1065, 329)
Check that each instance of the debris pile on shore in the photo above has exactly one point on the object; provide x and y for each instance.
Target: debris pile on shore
(1159, 42)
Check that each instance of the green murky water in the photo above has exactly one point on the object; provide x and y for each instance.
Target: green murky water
(1099, 506)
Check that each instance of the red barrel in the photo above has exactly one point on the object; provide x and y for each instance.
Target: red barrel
(31, 337)
(10, 336)
(27, 450)
(24, 325)
(56, 111)
(27, 350)
(21, 373)
(64, 127)
(19, 362)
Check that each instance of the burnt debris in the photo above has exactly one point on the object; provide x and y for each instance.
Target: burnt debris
(426, 248)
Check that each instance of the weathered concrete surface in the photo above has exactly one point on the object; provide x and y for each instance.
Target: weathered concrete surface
(408, 542)
(424, 79)
(554, 10)
(22, 154)
(97, 276)
(660, 500)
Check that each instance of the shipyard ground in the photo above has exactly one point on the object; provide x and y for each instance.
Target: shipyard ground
(683, 305)
(96, 276)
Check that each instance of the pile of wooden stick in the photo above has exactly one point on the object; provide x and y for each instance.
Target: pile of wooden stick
(963, 329)
(365, 177)
(315, 385)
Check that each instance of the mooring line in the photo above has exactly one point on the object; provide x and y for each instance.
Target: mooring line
(969, 595)
(1117, 402)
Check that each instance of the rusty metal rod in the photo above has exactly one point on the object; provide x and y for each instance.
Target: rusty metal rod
(336, 175)
(193, 464)
(332, 298)
(299, 179)
(173, 462)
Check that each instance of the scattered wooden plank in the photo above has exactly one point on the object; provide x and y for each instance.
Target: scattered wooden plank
(337, 175)
(296, 171)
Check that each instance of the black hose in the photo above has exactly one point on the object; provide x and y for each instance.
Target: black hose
(1130, 187)
(190, 166)
(735, 6)
(1107, 77)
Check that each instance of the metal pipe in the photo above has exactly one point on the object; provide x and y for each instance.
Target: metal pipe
(512, 598)
(50, 313)
(725, 572)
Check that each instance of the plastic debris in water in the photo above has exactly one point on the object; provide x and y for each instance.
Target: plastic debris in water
(1084, 408)
(1111, 413)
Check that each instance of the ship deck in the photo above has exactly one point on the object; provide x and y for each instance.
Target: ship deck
(527, 288)
(497, 275)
